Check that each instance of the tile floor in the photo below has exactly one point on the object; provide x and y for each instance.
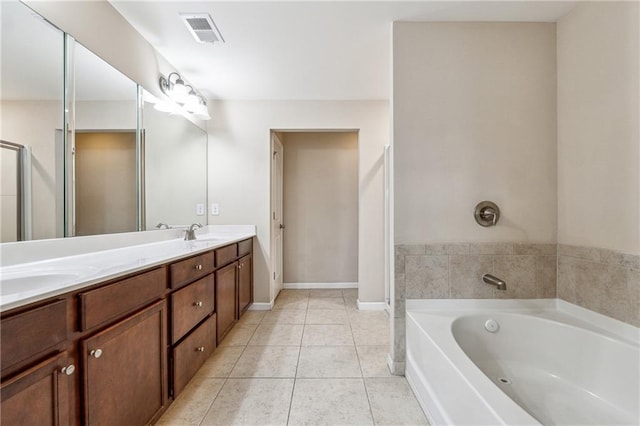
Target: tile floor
(314, 360)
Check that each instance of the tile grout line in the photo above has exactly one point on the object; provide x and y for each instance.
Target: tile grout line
(212, 401)
(295, 375)
(226, 379)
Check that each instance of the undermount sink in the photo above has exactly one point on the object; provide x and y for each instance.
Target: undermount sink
(24, 281)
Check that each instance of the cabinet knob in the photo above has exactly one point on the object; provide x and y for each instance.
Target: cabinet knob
(68, 370)
(197, 304)
(96, 353)
(198, 267)
(200, 349)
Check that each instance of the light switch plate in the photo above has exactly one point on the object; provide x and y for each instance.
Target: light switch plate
(200, 209)
(215, 209)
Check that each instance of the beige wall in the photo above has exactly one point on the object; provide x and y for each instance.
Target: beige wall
(239, 174)
(105, 177)
(598, 136)
(320, 207)
(474, 119)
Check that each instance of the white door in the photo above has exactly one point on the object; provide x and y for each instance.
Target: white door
(277, 225)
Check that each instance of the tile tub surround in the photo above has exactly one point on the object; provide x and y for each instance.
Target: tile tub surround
(602, 280)
(301, 365)
(454, 270)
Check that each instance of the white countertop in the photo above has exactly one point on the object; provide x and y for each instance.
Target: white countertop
(24, 283)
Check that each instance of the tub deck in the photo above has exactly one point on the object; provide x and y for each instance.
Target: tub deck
(550, 362)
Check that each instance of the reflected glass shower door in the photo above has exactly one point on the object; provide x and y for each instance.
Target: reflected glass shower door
(15, 192)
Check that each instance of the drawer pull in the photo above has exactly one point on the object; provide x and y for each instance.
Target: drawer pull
(198, 267)
(96, 353)
(197, 304)
(200, 349)
(68, 370)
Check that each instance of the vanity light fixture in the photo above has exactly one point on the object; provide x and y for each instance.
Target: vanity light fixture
(202, 113)
(174, 88)
(182, 98)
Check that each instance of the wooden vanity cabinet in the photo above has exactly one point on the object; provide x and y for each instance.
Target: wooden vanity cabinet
(190, 354)
(245, 283)
(37, 374)
(40, 395)
(125, 370)
(187, 270)
(111, 353)
(226, 299)
(106, 304)
(193, 322)
(32, 334)
(190, 305)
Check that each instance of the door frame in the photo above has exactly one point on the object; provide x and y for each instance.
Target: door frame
(276, 286)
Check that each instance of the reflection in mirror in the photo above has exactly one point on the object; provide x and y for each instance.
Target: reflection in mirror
(105, 191)
(175, 168)
(32, 116)
(98, 189)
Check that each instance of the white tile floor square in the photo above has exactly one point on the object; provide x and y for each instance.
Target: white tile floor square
(311, 361)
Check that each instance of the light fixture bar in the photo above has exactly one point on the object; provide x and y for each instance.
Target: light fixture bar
(182, 96)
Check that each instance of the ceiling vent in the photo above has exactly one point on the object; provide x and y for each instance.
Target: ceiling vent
(202, 27)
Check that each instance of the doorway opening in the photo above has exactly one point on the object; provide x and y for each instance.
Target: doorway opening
(105, 182)
(314, 214)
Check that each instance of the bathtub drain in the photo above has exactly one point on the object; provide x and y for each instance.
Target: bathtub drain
(504, 380)
(491, 326)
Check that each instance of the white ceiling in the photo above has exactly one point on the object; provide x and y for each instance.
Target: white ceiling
(303, 50)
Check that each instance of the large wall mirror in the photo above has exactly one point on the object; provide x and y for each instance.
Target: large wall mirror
(121, 166)
(105, 184)
(175, 151)
(32, 113)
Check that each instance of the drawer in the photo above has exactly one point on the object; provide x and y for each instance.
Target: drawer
(33, 333)
(191, 269)
(245, 247)
(226, 255)
(192, 352)
(108, 303)
(190, 305)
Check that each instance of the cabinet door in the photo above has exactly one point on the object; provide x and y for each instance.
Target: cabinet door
(245, 286)
(226, 300)
(40, 395)
(125, 380)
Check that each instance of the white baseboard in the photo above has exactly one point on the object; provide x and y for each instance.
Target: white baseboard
(307, 286)
(371, 306)
(261, 306)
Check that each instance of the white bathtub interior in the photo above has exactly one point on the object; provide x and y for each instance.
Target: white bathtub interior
(547, 363)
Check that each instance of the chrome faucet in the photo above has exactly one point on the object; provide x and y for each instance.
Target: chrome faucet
(490, 279)
(190, 233)
(162, 225)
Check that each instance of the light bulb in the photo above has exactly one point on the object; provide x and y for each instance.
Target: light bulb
(192, 102)
(179, 91)
(166, 106)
